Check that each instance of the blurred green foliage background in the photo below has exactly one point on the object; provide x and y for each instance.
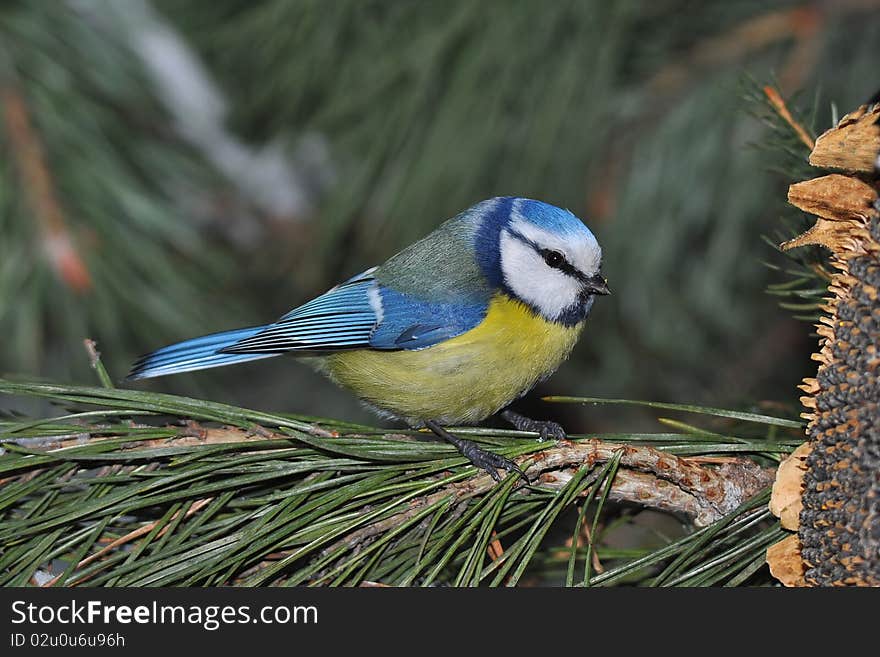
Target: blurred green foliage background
(171, 168)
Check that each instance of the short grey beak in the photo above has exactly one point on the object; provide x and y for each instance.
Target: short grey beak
(597, 285)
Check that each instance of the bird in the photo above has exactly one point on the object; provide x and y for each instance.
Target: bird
(450, 331)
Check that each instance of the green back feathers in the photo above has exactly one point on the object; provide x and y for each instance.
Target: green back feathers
(441, 267)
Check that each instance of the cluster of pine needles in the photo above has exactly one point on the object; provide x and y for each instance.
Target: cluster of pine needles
(131, 488)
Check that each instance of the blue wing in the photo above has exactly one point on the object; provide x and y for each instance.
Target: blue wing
(362, 314)
(342, 318)
(412, 323)
(196, 354)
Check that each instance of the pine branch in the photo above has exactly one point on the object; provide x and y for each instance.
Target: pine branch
(702, 494)
(224, 495)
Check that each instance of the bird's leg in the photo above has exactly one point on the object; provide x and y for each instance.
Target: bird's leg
(544, 428)
(483, 459)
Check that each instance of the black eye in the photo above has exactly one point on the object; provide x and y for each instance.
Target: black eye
(553, 258)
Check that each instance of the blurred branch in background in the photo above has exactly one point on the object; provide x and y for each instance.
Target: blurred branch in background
(89, 182)
(267, 178)
(38, 187)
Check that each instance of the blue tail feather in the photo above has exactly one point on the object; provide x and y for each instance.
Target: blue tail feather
(196, 354)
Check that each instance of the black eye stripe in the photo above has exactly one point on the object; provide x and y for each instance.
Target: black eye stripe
(564, 266)
(557, 260)
(569, 269)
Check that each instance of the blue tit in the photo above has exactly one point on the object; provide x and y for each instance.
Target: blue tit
(449, 331)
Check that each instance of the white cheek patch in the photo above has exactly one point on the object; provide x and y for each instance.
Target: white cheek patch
(527, 275)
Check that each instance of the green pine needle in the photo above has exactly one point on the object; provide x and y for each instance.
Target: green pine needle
(120, 490)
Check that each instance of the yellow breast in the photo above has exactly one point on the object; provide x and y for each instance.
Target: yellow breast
(464, 379)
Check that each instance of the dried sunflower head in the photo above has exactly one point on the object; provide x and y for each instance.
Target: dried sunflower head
(839, 524)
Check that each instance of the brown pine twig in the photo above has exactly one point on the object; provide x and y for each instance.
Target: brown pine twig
(646, 476)
(750, 36)
(189, 435)
(776, 100)
(587, 534)
(495, 549)
(584, 537)
(39, 189)
(706, 487)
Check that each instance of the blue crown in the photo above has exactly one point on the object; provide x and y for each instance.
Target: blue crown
(550, 217)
